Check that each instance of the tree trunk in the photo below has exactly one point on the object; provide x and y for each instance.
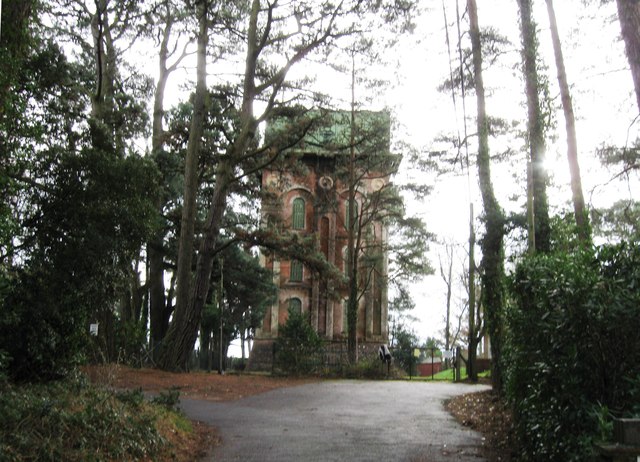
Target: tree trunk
(352, 304)
(155, 247)
(223, 180)
(182, 332)
(184, 329)
(103, 135)
(531, 227)
(205, 348)
(447, 278)
(535, 128)
(14, 25)
(629, 16)
(582, 219)
(491, 245)
(243, 338)
(472, 339)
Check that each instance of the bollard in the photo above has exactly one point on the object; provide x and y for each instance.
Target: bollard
(626, 446)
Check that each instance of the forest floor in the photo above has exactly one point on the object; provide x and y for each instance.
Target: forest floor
(481, 411)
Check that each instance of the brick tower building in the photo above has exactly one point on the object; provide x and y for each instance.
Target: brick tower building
(311, 199)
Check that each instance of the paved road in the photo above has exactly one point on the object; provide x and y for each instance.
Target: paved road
(342, 421)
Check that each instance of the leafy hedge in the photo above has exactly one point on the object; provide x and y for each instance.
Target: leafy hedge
(573, 349)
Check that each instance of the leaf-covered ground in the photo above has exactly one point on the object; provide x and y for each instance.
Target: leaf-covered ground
(202, 385)
(486, 413)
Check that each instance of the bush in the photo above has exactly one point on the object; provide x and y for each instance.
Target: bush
(237, 364)
(42, 329)
(169, 399)
(72, 421)
(572, 351)
(75, 264)
(298, 346)
(371, 368)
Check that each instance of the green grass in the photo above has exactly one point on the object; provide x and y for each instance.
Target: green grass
(448, 375)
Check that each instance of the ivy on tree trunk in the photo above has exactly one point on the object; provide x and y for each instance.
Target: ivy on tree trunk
(492, 242)
(535, 129)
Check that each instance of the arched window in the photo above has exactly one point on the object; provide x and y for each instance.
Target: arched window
(345, 320)
(345, 261)
(297, 217)
(346, 218)
(295, 305)
(295, 274)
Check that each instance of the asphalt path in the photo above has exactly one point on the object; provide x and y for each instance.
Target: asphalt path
(346, 420)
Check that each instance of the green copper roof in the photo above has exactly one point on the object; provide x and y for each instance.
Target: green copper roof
(328, 133)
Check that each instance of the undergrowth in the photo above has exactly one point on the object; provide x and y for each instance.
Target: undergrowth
(72, 420)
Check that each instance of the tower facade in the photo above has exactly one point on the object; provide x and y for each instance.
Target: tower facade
(310, 198)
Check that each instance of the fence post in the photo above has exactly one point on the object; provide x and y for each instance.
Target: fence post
(432, 373)
(273, 357)
(410, 363)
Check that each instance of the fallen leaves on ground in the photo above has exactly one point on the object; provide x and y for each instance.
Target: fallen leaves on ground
(202, 385)
(486, 413)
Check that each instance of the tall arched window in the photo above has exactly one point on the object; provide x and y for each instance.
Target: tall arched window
(345, 320)
(295, 274)
(346, 264)
(297, 217)
(295, 305)
(355, 214)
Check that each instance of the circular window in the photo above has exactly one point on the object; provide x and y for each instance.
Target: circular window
(325, 182)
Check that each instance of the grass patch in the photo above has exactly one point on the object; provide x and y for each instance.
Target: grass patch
(448, 375)
(72, 420)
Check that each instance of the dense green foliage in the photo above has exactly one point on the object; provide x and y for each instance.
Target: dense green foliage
(73, 421)
(84, 232)
(573, 350)
(297, 345)
(77, 208)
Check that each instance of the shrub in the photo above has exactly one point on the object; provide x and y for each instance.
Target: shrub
(169, 399)
(72, 421)
(370, 367)
(42, 327)
(572, 348)
(298, 345)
